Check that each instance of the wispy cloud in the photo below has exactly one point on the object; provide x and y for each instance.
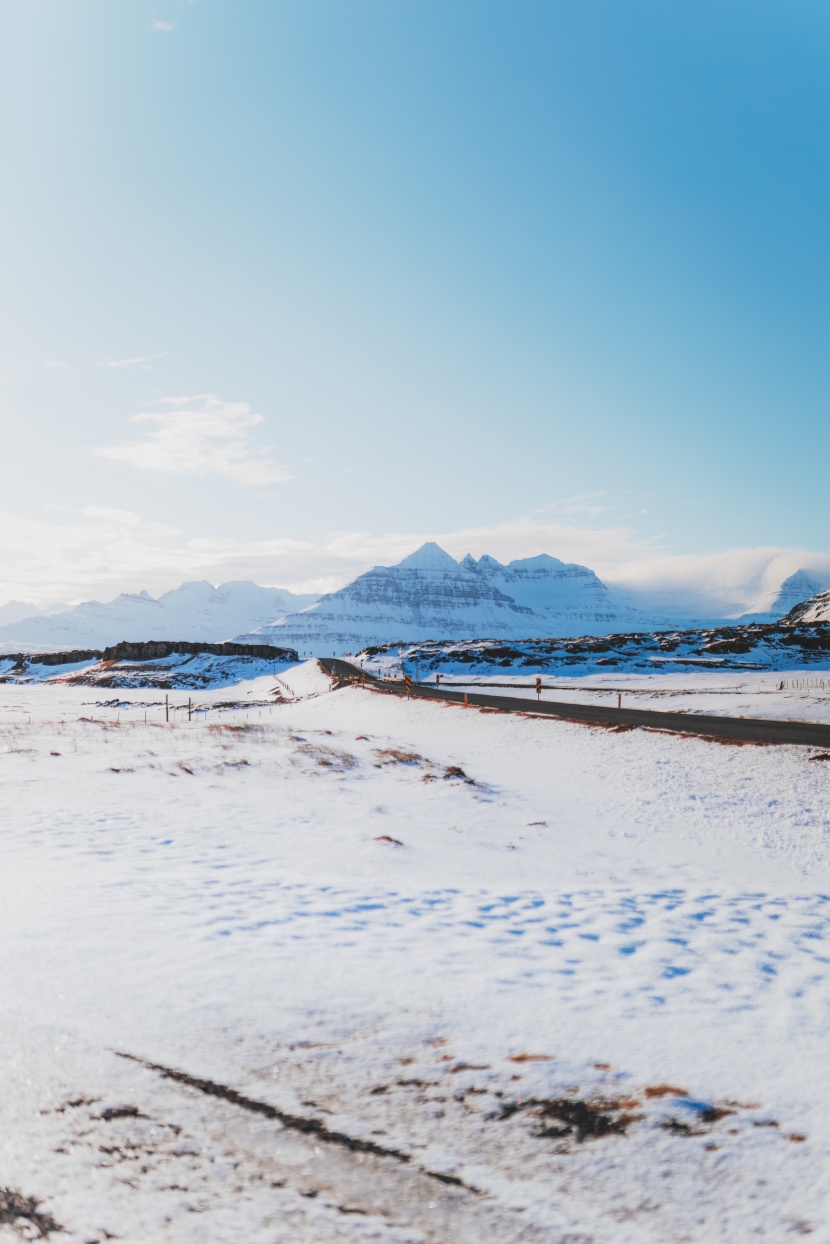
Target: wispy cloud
(138, 361)
(202, 436)
(159, 24)
(54, 365)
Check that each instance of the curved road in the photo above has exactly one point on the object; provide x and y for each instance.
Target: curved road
(735, 729)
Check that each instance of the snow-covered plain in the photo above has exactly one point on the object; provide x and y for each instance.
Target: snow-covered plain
(504, 978)
(795, 695)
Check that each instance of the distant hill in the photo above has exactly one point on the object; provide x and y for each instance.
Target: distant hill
(796, 588)
(16, 611)
(193, 611)
(430, 595)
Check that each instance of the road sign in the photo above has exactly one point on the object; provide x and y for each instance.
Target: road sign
(408, 681)
(538, 688)
(437, 680)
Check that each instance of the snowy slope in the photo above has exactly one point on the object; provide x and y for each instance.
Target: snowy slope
(570, 597)
(431, 596)
(816, 609)
(195, 610)
(796, 588)
(469, 978)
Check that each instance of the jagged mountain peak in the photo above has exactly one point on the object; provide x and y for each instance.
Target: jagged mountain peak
(429, 556)
(799, 586)
(429, 595)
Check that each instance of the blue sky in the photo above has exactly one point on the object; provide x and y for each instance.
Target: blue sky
(526, 276)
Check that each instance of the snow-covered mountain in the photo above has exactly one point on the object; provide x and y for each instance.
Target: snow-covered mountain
(796, 588)
(16, 611)
(196, 610)
(429, 595)
(816, 609)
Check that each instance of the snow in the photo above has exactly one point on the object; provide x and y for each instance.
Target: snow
(431, 596)
(816, 609)
(573, 915)
(193, 611)
(775, 648)
(188, 670)
(16, 611)
(796, 588)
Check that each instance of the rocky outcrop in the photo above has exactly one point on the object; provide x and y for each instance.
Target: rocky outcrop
(22, 659)
(157, 649)
(816, 609)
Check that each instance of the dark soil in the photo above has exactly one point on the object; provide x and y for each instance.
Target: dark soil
(22, 1213)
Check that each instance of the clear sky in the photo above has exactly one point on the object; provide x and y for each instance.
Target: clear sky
(535, 275)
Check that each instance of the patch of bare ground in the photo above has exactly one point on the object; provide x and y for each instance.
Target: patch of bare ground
(561, 1117)
(326, 757)
(394, 756)
(23, 1214)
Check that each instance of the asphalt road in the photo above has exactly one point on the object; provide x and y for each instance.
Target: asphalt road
(735, 729)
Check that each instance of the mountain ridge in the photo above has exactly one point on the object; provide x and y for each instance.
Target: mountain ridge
(430, 595)
(195, 610)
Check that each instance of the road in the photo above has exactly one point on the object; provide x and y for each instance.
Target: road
(733, 729)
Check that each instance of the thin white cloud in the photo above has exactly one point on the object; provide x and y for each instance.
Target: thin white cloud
(54, 365)
(161, 25)
(142, 361)
(201, 436)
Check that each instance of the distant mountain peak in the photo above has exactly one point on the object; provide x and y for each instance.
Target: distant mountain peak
(542, 561)
(194, 611)
(429, 556)
(429, 595)
(799, 586)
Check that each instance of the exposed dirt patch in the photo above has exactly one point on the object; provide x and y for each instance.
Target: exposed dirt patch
(393, 756)
(584, 1120)
(326, 757)
(23, 1214)
(121, 1112)
(563, 1117)
(665, 1090)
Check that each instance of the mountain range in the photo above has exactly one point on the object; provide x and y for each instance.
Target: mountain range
(195, 610)
(430, 595)
(427, 596)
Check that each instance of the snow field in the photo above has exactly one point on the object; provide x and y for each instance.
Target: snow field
(643, 915)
